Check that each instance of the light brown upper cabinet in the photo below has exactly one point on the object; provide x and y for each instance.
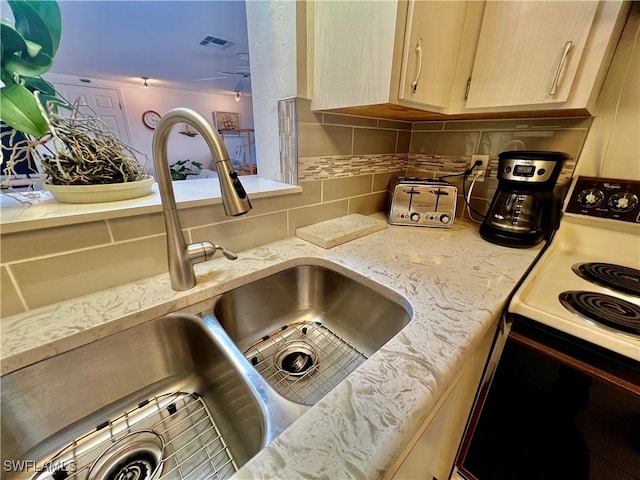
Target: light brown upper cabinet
(431, 45)
(418, 59)
(353, 52)
(541, 55)
(529, 52)
(384, 54)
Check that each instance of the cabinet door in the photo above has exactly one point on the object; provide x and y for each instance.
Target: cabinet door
(353, 52)
(101, 101)
(432, 42)
(528, 52)
(434, 451)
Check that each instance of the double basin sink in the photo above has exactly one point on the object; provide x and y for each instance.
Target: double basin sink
(194, 395)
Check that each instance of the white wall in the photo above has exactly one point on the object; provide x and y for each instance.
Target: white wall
(272, 41)
(136, 100)
(612, 148)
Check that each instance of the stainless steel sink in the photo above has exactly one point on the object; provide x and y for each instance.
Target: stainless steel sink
(85, 409)
(307, 327)
(184, 396)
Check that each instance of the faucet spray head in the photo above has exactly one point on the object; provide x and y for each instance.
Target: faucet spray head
(234, 197)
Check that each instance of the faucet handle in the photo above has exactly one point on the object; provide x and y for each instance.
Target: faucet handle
(201, 251)
(229, 255)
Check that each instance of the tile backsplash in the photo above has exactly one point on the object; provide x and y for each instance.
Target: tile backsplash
(441, 148)
(334, 145)
(342, 162)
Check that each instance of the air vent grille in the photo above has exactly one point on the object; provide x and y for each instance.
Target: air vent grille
(216, 42)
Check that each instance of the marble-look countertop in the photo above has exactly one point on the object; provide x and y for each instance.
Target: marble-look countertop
(455, 282)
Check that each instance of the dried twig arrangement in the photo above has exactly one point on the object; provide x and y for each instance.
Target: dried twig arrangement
(91, 153)
(21, 149)
(80, 150)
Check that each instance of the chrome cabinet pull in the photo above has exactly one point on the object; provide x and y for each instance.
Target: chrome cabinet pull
(556, 78)
(414, 84)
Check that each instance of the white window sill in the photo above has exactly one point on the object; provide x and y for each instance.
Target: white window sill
(44, 211)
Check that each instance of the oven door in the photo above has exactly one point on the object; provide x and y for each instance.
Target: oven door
(551, 406)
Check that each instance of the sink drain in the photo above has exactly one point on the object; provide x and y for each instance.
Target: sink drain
(303, 361)
(296, 359)
(171, 436)
(137, 456)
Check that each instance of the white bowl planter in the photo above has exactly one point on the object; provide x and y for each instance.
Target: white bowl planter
(108, 192)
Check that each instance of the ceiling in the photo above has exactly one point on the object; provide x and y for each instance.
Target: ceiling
(123, 40)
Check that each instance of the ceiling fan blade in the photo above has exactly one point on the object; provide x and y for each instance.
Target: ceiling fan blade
(210, 78)
(231, 74)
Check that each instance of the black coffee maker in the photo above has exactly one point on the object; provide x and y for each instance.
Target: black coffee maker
(524, 209)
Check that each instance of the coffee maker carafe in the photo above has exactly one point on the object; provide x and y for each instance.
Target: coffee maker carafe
(524, 209)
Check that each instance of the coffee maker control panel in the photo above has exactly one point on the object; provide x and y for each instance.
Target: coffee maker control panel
(606, 198)
(526, 170)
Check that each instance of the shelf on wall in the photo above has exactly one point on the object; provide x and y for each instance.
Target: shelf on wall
(243, 168)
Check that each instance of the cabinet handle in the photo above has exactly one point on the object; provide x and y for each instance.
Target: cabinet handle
(414, 84)
(556, 78)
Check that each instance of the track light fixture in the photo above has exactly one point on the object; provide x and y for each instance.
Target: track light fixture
(144, 83)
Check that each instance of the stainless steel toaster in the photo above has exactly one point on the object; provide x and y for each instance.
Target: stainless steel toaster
(421, 202)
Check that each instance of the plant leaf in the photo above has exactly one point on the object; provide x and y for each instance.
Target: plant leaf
(30, 67)
(12, 41)
(47, 96)
(40, 84)
(20, 110)
(33, 49)
(39, 21)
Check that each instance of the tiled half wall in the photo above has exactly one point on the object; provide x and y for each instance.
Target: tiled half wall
(75, 260)
(344, 164)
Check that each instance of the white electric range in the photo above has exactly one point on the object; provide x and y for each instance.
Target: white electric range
(587, 282)
(568, 354)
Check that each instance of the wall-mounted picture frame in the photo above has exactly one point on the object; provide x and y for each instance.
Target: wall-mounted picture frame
(226, 120)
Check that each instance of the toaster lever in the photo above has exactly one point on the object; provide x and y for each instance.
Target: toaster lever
(437, 193)
(411, 193)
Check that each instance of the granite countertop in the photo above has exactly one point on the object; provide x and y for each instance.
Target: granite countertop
(455, 282)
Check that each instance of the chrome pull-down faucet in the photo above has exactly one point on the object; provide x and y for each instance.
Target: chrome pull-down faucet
(181, 256)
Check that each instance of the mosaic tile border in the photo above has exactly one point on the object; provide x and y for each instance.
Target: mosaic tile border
(288, 137)
(320, 168)
(440, 164)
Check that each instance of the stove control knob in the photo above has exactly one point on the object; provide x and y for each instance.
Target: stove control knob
(444, 218)
(414, 217)
(591, 197)
(623, 201)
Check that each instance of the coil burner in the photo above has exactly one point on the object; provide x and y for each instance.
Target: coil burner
(603, 309)
(170, 436)
(609, 275)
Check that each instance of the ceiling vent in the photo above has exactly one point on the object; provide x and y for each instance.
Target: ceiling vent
(216, 42)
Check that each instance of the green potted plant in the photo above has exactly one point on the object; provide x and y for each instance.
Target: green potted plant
(181, 169)
(28, 48)
(74, 150)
